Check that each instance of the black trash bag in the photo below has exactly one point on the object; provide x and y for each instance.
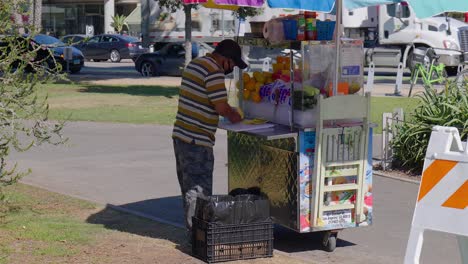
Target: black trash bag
(242, 207)
(251, 205)
(216, 209)
(251, 190)
(249, 208)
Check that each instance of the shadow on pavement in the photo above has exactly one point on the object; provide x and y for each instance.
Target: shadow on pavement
(290, 241)
(165, 91)
(168, 210)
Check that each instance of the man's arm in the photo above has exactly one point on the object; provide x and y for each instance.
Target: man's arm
(217, 94)
(224, 109)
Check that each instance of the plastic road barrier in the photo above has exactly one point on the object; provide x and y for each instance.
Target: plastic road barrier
(442, 202)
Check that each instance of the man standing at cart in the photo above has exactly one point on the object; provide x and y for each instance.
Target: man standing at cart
(202, 98)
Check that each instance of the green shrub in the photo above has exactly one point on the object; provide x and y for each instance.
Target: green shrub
(447, 108)
(23, 114)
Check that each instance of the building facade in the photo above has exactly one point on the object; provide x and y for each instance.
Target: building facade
(63, 17)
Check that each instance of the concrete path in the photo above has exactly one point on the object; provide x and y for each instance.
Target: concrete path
(132, 166)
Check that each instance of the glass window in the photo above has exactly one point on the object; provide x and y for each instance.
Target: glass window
(94, 40)
(174, 49)
(93, 9)
(68, 17)
(106, 39)
(47, 40)
(129, 38)
(391, 10)
(433, 28)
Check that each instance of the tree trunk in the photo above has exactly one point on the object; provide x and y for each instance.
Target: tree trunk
(18, 19)
(145, 20)
(37, 15)
(188, 33)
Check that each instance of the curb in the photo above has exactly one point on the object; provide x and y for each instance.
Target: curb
(383, 175)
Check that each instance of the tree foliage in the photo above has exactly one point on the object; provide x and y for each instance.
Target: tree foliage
(242, 12)
(119, 22)
(23, 113)
(172, 5)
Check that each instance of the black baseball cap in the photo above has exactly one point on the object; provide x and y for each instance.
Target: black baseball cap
(231, 50)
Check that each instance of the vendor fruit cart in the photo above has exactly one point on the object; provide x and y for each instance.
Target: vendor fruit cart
(312, 160)
(313, 157)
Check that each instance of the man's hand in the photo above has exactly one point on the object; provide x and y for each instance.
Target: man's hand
(235, 117)
(224, 109)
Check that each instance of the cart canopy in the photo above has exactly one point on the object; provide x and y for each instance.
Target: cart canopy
(422, 8)
(325, 6)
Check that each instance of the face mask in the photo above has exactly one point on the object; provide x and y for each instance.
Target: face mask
(229, 70)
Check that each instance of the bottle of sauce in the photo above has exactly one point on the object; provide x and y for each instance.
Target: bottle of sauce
(311, 25)
(301, 25)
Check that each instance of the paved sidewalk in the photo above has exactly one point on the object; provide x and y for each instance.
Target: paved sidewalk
(132, 166)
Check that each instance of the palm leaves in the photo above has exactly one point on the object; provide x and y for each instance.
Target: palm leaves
(119, 22)
(447, 108)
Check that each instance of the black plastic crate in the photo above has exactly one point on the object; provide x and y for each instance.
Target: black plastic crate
(216, 243)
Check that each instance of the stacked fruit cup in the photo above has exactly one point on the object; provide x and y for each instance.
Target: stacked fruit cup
(253, 84)
(281, 69)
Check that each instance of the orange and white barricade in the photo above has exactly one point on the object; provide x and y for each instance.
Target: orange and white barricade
(443, 194)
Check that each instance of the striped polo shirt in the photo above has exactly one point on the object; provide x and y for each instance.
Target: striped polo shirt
(202, 86)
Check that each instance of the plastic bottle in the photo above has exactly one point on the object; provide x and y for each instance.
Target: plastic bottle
(311, 26)
(301, 25)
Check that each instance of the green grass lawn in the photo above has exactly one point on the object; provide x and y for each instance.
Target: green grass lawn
(150, 104)
(104, 103)
(382, 105)
(43, 225)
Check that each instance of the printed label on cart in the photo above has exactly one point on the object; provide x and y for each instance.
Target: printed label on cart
(334, 218)
(354, 70)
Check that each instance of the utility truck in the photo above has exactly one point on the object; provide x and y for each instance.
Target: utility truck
(389, 29)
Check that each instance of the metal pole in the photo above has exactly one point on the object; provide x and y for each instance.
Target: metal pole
(222, 23)
(291, 107)
(338, 34)
(145, 21)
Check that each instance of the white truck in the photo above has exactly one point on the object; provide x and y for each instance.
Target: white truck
(389, 29)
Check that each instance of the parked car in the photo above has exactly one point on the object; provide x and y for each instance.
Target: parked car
(50, 54)
(58, 47)
(169, 60)
(74, 39)
(111, 46)
(22, 47)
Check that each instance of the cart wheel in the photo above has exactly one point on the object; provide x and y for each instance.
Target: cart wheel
(329, 241)
(331, 244)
